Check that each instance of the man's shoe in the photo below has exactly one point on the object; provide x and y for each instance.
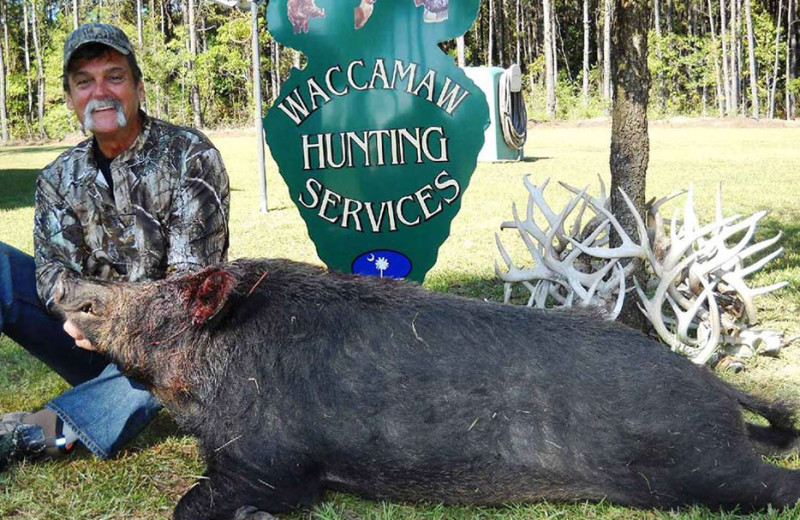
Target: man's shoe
(19, 440)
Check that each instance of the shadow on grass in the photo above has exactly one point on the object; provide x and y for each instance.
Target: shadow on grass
(32, 149)
(18, 188)
(790, 241)
(534, 159)
(161, 428)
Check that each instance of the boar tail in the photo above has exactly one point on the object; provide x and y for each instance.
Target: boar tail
(781, 437)
(779, 414)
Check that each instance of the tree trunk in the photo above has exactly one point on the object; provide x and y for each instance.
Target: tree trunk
(630, 144)
(670, 16)
(490, 50)
(7, 48)
(554, 45)
(751, 52)
(194, 89)
(717, 79)
(734, 60)
(790, 57)
(518, 35)
(549, 57)
(139, 31)
(662, 94)
(25, 19)
(40, 70)
(726, 72)
(163, 20)
(607, 58)
(501, 33)
(460, 47)
(586, 30)
(599, 44)
(740, 97)
(774, 86)
(529, 20)
(75, 15)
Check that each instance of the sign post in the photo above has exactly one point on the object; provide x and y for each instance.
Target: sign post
(378, 136)
(262, 170)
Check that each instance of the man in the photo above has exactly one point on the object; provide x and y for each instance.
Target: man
(139, 200)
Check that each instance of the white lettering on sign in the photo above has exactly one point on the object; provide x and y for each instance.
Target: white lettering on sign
(375, 148)
(304, 100)
(376, 217)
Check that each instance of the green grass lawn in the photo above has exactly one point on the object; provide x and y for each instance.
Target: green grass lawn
(759, 168)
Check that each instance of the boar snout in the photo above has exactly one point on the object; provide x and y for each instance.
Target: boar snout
(75, 296)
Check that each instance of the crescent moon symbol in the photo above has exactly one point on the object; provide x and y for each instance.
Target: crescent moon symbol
(371, 257)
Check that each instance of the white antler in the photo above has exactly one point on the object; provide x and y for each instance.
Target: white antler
(700, 299)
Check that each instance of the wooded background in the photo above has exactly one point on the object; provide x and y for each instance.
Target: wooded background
(706, 57)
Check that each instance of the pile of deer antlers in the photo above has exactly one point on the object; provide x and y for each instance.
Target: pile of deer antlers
(696, 296)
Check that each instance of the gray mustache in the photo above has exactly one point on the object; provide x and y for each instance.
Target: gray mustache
(100, 104)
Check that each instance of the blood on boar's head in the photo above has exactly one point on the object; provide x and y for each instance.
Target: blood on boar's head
(156, 330)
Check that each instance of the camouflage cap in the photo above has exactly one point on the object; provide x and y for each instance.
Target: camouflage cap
(96, 33)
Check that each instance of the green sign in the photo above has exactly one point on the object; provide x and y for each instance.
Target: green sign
(378, 136)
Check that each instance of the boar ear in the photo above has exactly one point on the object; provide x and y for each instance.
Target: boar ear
(208, 293)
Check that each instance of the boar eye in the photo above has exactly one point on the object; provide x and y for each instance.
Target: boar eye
(87, 308)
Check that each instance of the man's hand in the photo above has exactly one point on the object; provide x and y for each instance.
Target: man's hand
(80, 340)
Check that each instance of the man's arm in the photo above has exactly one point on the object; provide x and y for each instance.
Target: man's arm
(197, 229)
(57, 239)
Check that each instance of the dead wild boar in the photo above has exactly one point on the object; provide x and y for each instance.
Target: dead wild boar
(297, 380)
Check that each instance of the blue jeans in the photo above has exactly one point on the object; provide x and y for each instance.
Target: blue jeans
(104, 408)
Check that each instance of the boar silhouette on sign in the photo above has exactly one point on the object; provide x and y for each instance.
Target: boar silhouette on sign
(378, 136)
(300, 11)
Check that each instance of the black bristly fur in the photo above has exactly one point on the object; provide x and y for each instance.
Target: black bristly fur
(382, 389)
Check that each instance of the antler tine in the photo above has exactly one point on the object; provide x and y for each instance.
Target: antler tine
(756, 266)
(682, 322)
(719, 253)
(577, 225)
(595, 201)
(654, 205)
(758, 291)
(653, 306)
(537, 193)
(621, 294)
(588, 199)
(748, 295)
(515, 274)
(653, 312)
(603, 198)
(686, 318)
(628, 248)
(659, 242)
(690, 222)
(507, 286)
(713, 340)
(679, 248)
(756, 248)
(597, 277)
(558, 228)
(673, 227)
(528, 226)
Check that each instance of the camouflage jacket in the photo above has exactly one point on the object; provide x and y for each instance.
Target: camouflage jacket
(168, 212)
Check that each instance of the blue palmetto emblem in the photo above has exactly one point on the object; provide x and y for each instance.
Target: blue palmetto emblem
(381, 264)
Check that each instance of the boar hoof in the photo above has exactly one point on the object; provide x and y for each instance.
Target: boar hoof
(252, 513)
